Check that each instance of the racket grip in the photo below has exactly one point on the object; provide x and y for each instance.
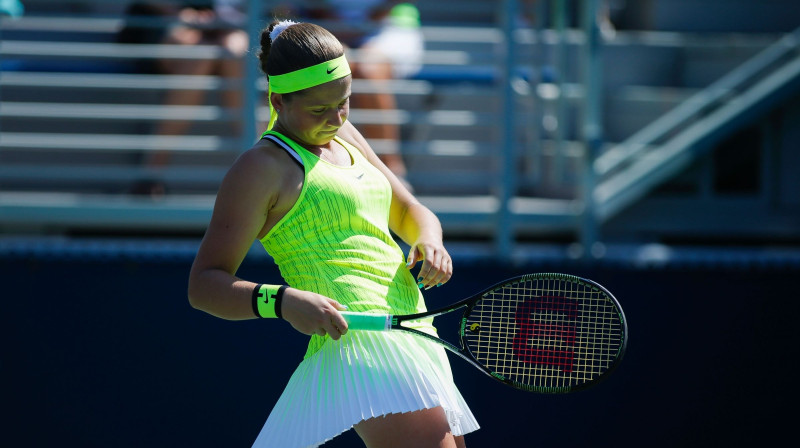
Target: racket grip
(365, 321)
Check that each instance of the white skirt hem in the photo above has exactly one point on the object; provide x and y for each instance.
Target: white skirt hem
(363, 375)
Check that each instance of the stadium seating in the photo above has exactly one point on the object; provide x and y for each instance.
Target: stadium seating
(76, 118)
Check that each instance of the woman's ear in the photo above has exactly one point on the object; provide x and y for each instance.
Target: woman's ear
(277, 101)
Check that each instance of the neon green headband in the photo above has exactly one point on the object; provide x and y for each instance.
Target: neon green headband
(305, 78)
(310, 76)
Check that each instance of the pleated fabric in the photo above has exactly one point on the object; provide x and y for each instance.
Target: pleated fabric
(364, 374)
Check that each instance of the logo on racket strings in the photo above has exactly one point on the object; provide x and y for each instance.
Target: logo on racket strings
(546, 332)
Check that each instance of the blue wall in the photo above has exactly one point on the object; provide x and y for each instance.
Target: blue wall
(104, 350)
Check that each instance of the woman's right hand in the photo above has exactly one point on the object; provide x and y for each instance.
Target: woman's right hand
(312, 313)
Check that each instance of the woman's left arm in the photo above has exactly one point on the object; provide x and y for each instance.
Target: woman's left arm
(414, 223)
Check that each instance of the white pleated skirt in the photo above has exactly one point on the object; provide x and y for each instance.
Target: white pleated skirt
(364, 374)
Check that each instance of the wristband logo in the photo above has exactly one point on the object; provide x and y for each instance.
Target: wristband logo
(267, 300)
(263, 295)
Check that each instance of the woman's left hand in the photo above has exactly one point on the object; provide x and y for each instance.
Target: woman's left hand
(437, 266)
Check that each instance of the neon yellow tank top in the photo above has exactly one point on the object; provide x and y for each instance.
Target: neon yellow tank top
(335, 240)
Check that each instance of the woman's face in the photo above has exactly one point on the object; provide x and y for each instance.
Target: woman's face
(313, 116)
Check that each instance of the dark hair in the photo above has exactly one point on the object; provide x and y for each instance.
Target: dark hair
(298, 46)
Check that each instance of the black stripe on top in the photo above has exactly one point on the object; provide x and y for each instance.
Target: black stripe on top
(279, 141)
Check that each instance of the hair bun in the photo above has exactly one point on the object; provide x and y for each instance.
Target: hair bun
(279, 27)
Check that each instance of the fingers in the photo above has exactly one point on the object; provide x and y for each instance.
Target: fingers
(335, 327)
(437, 267)
(337, 305)
(311, 313)
(412, 257)
(337, 322)
(331, 323)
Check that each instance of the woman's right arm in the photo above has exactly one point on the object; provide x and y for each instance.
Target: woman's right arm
(246, 196)
(244, 199)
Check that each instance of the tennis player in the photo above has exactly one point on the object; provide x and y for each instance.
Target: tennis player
(322, 204)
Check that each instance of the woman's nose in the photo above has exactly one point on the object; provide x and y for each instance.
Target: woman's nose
(337, 117)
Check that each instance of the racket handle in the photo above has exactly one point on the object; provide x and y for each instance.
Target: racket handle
(366, 321)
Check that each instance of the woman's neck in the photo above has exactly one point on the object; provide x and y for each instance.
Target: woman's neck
(330, 152)
(314, 149)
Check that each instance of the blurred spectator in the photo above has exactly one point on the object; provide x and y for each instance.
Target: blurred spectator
(632, 15)
(390, 45)
(195, 23)
(11, 8)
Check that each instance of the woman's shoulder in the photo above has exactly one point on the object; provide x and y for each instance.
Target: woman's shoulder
(263, 163)
(265, 155)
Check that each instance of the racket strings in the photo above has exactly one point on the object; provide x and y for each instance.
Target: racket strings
(546, 333)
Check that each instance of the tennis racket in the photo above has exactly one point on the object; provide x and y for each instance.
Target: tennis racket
(545, 333)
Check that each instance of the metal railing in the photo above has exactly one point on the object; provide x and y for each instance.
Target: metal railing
(629, 170)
